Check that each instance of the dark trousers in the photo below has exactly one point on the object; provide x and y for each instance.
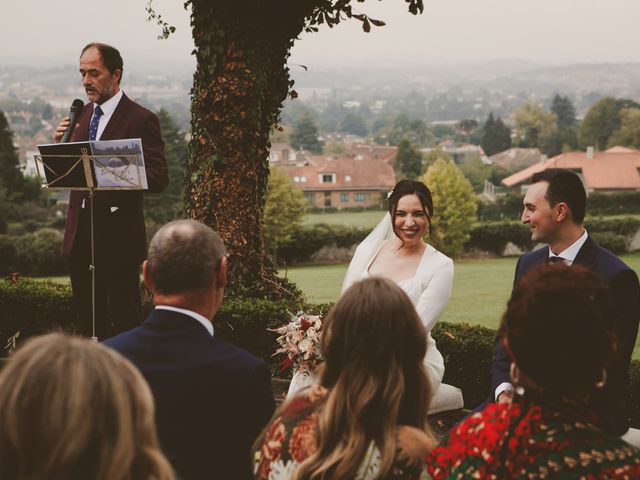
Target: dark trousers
(117, 292)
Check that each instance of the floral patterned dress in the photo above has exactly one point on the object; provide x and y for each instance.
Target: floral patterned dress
(291, 438)
(532, 439)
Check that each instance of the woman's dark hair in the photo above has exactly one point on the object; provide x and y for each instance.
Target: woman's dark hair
(559, 328)
(410, 187)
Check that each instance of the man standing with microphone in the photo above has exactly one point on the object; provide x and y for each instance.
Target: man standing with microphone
(120, 243)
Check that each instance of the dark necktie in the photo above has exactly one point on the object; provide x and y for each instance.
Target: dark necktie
(95, 120)
(556, 260)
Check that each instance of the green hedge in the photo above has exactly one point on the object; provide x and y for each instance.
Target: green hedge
(33, 307)
(494, 236)
(509, 207)
(613, 234)
(33, 253)
(305, 241)
(468, 354)
(36, 307)
(626, 226)
(505, 208)
(613, 203)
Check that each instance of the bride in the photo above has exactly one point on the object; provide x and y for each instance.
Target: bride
(396, 250)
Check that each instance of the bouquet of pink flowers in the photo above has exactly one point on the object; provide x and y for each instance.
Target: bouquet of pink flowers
(298, 342)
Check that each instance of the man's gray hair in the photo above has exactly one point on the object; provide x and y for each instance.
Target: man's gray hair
(184, 255)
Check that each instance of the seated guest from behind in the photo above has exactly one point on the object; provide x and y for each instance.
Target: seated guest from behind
(558, 329)
(366, 419)
(212, 398)
(72, 409)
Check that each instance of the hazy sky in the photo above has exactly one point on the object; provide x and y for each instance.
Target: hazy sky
(559, 31)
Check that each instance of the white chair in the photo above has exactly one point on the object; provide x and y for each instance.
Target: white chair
(446, 398)
(632, 437)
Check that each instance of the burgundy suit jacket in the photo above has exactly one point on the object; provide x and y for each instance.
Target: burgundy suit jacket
(119, 231)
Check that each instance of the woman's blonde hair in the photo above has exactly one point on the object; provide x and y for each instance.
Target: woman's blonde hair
(374, 346)
(73, 409)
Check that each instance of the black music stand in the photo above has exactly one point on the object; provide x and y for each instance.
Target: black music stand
(91, 166)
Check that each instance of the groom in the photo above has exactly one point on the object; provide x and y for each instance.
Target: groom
(554, 209)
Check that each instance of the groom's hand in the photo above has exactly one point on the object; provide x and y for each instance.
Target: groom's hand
(505, 397)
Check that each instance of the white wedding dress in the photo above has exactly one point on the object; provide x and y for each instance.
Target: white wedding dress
(429, 291)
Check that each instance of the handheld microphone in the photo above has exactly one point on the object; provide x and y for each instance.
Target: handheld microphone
(74, 112)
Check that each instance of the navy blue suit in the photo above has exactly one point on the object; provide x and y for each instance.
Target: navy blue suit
(611, 402)
(212, 398)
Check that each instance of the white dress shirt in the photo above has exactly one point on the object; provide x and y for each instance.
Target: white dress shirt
(570, 253)
(108, 108)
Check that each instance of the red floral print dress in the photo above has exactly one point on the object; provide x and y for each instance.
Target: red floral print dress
(291, 438)
(532, 439)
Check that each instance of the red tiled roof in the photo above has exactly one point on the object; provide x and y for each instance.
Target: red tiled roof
(516, 158)
(365, 173)
(616, 168)
(384, 152)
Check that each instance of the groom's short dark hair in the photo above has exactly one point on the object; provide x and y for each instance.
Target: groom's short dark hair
(564, 186)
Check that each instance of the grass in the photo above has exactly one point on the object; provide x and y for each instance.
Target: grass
(63, 279)
(364, 219)
(481, 288)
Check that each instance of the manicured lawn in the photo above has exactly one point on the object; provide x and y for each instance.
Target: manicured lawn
(320, 283)
(365, 219)
(480, 288)
(64, 279)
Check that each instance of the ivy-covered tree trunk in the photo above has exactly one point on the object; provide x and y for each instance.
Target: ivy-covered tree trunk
(240, 83)
(241, 80)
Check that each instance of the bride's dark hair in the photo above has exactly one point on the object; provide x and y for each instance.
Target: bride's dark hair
(411, 187)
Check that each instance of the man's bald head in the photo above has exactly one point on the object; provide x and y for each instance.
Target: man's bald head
(184, 256)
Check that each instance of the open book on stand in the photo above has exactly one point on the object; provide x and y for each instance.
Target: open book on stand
(99, 165)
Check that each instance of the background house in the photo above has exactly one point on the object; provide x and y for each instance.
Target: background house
(359, 179)
(613, 170)
(515, 159)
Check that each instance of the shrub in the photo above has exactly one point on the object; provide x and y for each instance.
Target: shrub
(454, 206)
(505, 208)
(9, 256)
(244, 322)
(612, 234)
(510, 205)
(494, 236)
(305, 241)
(468, 353)
(613, 203)
(39, 253)
(35, 307)
(611, 241)
(626, 226)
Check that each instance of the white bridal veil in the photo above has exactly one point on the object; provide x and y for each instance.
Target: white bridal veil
(367, 249)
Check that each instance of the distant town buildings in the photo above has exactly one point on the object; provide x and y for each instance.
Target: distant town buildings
(459, 153)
